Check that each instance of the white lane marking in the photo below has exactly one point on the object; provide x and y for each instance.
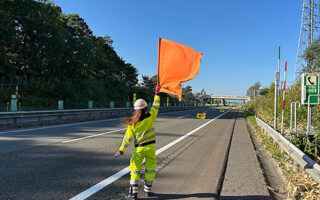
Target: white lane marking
(90, 136)
(183, 116)
(102, 133)
(80, 123)
(97, 187)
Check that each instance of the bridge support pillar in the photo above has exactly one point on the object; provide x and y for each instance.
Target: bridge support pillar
(223, 102)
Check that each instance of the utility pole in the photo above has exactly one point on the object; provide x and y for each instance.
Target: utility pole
(309, 29)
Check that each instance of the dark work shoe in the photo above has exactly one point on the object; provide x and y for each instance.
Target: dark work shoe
(150, 194)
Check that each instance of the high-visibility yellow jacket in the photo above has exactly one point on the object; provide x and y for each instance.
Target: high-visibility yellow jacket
(143, 132)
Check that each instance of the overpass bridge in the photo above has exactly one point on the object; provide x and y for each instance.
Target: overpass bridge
(230, 97)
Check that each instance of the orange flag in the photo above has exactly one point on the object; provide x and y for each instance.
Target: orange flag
(177, 63)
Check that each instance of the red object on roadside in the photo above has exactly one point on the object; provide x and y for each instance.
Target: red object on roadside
(284, 84)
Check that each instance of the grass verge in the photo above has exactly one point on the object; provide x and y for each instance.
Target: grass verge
(300, 185)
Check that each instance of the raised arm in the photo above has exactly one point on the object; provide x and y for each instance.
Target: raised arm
(156, 103)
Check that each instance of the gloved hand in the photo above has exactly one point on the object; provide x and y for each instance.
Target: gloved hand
(157, 90)
(117, 155)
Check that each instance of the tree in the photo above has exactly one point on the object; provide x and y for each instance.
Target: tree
(255, 86)
(57, 56)
(187, 94)
(264, 91)
(312, 56)
(271, 88)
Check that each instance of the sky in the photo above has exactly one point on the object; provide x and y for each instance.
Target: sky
(239, 39)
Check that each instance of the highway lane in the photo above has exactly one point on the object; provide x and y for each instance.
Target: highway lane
(219, 162)
(61, 170)
(18, 139)
(193, 169)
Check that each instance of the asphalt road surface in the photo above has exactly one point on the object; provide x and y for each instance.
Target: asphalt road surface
(68, 161)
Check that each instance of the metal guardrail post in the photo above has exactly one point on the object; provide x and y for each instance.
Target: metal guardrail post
(295, 115)
(291, 115)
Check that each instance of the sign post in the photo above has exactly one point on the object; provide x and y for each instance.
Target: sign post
(310, 94)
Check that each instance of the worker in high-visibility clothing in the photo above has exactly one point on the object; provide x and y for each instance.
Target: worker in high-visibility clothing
(141, 129)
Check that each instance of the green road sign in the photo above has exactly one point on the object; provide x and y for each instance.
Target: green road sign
(90, 104)
(60, 105)
(310, 86)
(207, 97)
(111, 104)
(13, 105)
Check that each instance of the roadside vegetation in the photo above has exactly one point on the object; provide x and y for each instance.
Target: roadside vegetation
(299, 184)
(55, 56)
(264, 109)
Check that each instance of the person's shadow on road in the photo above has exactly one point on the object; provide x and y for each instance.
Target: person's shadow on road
(206, 196)
(182, 196)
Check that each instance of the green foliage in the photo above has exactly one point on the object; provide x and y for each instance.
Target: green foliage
(267, 141)
(255, 86)
(249, 110)
(264, 91)
(271, 88)
(265, 110)
(312, 56)
(56, 56)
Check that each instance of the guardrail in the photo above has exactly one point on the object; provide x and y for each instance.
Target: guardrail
(32, 118)
(309, 165)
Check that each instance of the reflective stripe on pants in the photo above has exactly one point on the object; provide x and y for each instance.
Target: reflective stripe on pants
(149, 153)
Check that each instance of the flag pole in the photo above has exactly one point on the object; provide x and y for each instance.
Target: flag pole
(158, 61)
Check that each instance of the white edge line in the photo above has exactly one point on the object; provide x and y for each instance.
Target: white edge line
(183, 116)
(90, 136)
(97, 187)
(73, 124)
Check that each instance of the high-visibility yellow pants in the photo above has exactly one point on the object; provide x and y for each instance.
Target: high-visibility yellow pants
(148, 152)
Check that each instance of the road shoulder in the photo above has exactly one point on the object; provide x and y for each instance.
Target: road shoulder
(271, 170)
(243, 177)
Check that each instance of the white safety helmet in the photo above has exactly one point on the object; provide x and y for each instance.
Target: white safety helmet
(140, 104)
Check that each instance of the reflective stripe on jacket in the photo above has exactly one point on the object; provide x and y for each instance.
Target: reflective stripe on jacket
(143, 131)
